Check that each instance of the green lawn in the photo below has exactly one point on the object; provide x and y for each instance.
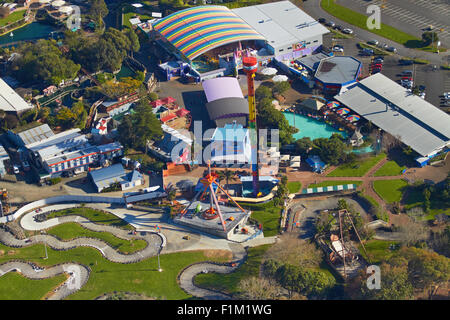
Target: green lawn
(71, 230)
(334, 183)
(390, 190)
(378, 250)
(14, 286)
(127, 16)
(106, 276)
(13, 17)
(390, 168)
(360, 20)
(357, 169)
(266, 214)
(294, 186)
(95, 216)
(229, 283)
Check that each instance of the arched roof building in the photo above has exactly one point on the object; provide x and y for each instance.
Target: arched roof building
(197, 30)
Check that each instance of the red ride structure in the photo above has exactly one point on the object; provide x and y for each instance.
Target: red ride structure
(250, 66)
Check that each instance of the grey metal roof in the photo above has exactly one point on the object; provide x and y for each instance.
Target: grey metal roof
(115, 171)
(10, 100)
(312, 61)
(281, 23)
(392, 108)
(227, 107)
(339, 70)
(36, 134)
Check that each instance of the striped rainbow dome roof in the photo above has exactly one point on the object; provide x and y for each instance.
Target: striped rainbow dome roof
(197, 30)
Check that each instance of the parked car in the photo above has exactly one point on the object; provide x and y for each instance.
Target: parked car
(373, 42)
(322, 20)
(367, 52)
(405, 62)
(347, 31)
(338, 27)
(338, 49)
(379, 58)
(16, 169)
(446, 95)
(422, 95)
(330, 24)
(407, 73)
(391, 49)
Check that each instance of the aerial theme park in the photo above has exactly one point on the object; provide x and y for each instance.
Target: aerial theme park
(249, 152)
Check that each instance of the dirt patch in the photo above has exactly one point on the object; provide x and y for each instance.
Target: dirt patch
(137, 281)
(2, 252)
(11, 252)
(218, 254)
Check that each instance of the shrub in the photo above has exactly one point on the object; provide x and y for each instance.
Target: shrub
(56, 180)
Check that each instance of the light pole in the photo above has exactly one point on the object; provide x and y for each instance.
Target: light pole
(45, 245)
(158, 249)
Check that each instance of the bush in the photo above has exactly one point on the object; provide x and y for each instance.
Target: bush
(56, 180)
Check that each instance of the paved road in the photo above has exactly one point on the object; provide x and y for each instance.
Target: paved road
(79, 275)
(186, 278)
(411, 16)
(312, 7)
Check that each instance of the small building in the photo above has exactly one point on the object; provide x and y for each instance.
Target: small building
(101, 127)
(106, 177)
(4, 161)
(226, 103)
(312, 104)
(174, 147)
(356, 139)
(336, 73)
(231, 145)
(315, 163)
(34, 133)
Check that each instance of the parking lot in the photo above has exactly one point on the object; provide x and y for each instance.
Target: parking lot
(410, 16)
(437, 82)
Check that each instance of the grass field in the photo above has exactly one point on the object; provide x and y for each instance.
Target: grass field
(106, 276)
(414, 198)
(357, 169)
(93, 215)
(268, 215)
(390, 168)
(378, 250)
(127, 16)
(334, 183)
(390, 190)
(229, 283)
(14, 286)
(294, 186)
(13, 17)
(360, 20)
(71, 230)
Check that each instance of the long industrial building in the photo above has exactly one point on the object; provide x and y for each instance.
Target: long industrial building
(394, 109)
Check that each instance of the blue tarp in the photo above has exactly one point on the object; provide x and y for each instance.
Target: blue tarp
(316, 163)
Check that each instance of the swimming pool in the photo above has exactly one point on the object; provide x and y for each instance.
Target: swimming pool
(309, 127)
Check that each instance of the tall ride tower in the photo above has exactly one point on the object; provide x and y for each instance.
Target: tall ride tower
(250, 65)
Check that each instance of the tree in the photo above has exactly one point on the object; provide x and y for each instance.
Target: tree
(395, 285)
(227, 175)
(255, 288)
(303, 145)
(134, 40)
(324, 222)
(270, 118)
(44, 62)
(280, 87)
(138, 129)
(426, 269)
(263, 92)
(428, 37)
(97, 10)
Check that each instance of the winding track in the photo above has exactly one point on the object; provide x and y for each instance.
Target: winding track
(80, 273)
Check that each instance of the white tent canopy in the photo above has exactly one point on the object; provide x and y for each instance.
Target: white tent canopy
(295, 158)
(269, 71)
(44, 1)
(284, 157)
(295, 165)
(65, 9)
(280, 78)
(58, 3)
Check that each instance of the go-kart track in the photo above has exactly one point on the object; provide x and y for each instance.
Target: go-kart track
(79, 274)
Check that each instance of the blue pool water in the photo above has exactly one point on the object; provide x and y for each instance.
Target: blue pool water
(35, 30)
(309, 127)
